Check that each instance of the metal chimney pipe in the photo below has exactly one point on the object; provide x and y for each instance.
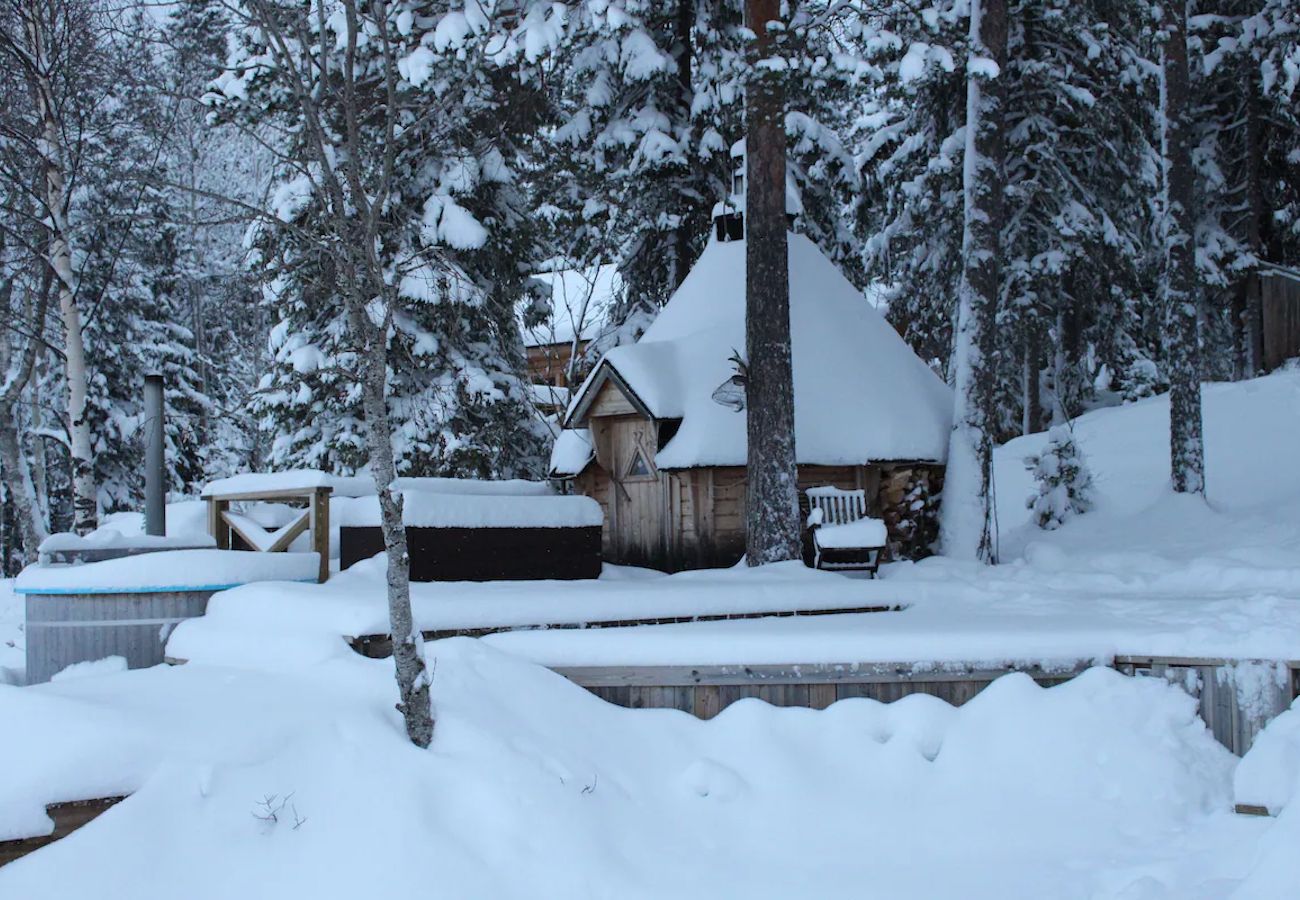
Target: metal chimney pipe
(155, 470)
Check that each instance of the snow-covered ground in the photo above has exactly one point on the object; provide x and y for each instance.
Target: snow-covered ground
(1145, 573)
(273, 764)
(251, 784)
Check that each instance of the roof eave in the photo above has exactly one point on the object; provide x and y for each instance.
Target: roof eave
(605, 371)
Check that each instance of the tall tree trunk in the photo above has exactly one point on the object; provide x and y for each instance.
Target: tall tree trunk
(1186, 446)
(771, 500)
(84, 494)
(1253, 314)
(967, 525)
(1032, 408)
(19, 364)
(22, 491)
(683, 54)
(412, 672)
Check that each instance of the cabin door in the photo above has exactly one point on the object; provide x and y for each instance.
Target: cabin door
(638, 514)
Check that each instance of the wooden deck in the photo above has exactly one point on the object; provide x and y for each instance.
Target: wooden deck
(68, 817)
(704, 691)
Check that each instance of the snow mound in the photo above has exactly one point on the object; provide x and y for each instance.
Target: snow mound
(1269, 774)
(174, 570)
(91, 668)
(258, 786)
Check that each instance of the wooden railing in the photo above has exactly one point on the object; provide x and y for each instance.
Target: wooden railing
(223, 524)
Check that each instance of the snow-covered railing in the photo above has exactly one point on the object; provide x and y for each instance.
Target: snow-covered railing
(223, 524)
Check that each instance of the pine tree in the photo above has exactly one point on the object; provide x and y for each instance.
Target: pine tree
(968, 517)
(1179, 279)
(771, 502)
(456, 395)
(1063, 483)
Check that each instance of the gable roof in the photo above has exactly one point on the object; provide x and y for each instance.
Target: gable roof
(861, 394)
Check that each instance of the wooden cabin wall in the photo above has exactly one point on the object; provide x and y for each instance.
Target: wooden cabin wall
(695, 518)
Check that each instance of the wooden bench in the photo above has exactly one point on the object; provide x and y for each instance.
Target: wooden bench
(829, 508)
(315, 518)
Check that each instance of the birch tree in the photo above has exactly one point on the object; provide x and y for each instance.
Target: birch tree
(55, 46)
(967, 527)
(392, 173)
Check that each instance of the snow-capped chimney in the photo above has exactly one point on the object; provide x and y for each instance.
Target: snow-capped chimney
(729, 215)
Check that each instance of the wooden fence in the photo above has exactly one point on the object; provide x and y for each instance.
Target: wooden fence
(1280, 298)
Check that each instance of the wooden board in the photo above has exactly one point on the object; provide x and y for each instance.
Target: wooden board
(380, 645)
(1280, 297)
(68, 817)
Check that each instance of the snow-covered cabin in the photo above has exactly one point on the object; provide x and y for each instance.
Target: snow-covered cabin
(655, 436)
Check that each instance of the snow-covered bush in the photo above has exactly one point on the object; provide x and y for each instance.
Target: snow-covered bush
(1141, 378)
(1064, 482)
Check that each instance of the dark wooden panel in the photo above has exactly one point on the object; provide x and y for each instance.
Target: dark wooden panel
(484, 554)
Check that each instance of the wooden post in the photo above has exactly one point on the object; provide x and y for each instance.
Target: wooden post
(320, 529)
(217, 524)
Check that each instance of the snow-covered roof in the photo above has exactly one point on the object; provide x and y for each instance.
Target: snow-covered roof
(549, 395)
(861, 394)
(580, 301)
(571, 453)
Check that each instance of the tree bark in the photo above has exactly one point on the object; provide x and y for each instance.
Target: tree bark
(22, 491)
(1182, 314)
(1252, 324)
(1032, 408)
(84, 495)
(771, 499)
(412, 671)
(967, 525)
(683, 53)
(19, 366)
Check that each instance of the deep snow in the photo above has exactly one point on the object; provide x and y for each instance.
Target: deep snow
(1103, 787)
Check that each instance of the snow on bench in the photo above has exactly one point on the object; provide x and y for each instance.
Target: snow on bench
(854, 535)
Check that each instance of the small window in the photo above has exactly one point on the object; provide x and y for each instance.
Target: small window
(639, 467)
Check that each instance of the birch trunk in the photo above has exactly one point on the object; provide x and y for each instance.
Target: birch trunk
(84, 494)
(22, 490)
(967, 518)
(772, 532)
(1182, 313)
(408, 643)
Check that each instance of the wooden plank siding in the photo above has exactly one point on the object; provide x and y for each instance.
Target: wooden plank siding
(695, 518)
(706, 690)
(610, 401)
(1280, 298)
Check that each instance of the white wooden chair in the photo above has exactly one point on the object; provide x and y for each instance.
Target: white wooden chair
(843, 535)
